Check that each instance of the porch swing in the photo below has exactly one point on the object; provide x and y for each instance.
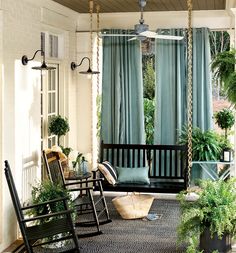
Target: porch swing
(168, 166)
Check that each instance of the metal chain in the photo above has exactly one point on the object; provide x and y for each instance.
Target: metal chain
(91, 29)
(190, 90)
(98, 43)
(98, 108)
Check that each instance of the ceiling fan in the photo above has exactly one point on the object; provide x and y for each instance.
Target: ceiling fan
(141, 30)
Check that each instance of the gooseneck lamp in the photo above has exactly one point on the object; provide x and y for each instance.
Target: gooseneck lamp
(73, 66)
(43, 66)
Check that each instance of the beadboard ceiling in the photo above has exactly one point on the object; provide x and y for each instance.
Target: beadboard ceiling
(81, 6)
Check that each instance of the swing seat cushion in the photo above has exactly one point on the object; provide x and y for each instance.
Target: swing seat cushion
(133, 175)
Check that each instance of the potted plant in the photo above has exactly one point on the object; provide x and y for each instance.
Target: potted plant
(210, 219)
(58, 126)
(225, 120)
(205, 144)
(46, 190)
(43, 192)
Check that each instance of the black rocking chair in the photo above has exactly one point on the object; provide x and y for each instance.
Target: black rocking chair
(37, 236)
(84, 201)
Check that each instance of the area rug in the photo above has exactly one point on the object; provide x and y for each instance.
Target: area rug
(141, 235)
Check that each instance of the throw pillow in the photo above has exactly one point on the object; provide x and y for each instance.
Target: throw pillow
(133, 175)
(108, 171)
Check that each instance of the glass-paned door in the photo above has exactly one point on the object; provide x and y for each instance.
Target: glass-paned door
(49, 105)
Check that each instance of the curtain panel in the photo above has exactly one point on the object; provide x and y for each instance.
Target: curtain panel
(122, 116)
(202, 85)
(170, 91)
(171, 85)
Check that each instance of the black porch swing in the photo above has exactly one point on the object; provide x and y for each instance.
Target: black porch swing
(168, 166)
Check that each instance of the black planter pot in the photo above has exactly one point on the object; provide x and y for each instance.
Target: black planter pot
(209, 244)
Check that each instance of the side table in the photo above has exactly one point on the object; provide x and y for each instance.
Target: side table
(213, 174)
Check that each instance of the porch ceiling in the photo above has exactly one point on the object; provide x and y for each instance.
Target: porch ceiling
(81, 6)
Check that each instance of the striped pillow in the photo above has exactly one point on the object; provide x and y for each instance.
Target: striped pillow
(108, 172)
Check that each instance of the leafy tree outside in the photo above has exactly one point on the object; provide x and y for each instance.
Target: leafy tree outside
(149, 94)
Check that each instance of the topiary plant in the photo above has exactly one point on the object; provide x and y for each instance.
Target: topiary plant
(58, 126)
(225, 120)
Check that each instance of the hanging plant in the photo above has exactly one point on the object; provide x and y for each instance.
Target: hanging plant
(230, 88)
(223, 68)
(223, 65)
(58, 126)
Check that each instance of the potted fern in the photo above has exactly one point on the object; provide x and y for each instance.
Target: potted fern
(208, 223)
(43, 192)
(206, 145)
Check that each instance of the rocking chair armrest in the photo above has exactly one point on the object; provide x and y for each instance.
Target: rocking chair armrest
(77, 183)
(80, 189)
(49, 215)
(44, 203)
(94, 180)
(86, 181)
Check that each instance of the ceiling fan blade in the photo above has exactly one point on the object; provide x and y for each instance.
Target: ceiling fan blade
(154, 35)
(134, 38)
(115, 35)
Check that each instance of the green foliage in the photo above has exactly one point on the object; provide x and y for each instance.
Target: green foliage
(66, 150)
(79, 159)
(223, 65)
(99, 105)
(230, 88)
(225, 119)
(214, 208)
(58, 126)
(205, 145)
(225, 143)
(149, 78)
(46, 191)
(223, 68)
(149, 109)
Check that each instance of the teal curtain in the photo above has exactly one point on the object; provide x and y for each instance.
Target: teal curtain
(171, 85)
(122, 116)
(170, 91)
(202, 87)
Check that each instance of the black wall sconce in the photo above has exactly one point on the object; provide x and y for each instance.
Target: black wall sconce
(73, 66)
(43, 66)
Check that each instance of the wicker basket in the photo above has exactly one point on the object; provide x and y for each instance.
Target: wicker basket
(133, 206)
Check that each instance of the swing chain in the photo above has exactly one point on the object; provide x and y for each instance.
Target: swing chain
(190, 91)
(91, 28)
(98, 43)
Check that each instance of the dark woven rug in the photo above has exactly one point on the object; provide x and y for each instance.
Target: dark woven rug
(132, 236)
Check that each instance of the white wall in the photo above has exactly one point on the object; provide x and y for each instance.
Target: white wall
(21, 22)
